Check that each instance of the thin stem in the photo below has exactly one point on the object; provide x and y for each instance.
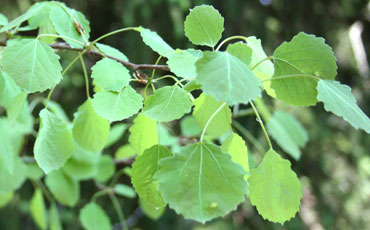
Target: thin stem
(34, 103)
(261, 123)
(39, 184)
(178, 82)
(48, 97)
(86, 77)
(292, 75)
(99, 194)
(229, 39)
(151, 77)
(115, 177)
(112, 33)
(119, 211)
(210, 119)
(263, 60)
(249, 136)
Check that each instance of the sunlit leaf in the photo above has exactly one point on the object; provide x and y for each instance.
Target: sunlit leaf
(143, 133)
(155, 42)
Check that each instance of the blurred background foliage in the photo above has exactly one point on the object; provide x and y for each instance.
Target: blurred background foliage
(335, 164)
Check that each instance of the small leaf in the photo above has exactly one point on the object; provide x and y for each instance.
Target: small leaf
(191, 86)
(90, 130)
(167, 104)
(236, 147)
(105, 168)
(149, 211)
(38, 210)
(53, 145)
(258, 54)
(93, 217)
(54, 218)
(124, 190)
(34, 171)
(226, 78)
(111, 51)
(182, 62)
(189, 127)
(32, 65)
(338, 99)
(275, 189)
(211, 183)
(287, 132)
(155, 42)
(65, 189)
(143, 133)
(115, 134)
(204, 107)
(117, 106)
(10, 182)
(110, 75)
(241, 51)
(125, 152)
(300, 61)
(204, 26)
(143, 169)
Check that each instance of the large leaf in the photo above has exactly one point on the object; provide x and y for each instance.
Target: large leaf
(110, 75)
(297, 64)
(90, 130)
(53, 145)
(143, 169)
(226, 78)
(38, 210)
(155, 42)
(337, 98)
(275, 189)
(204, 107)
(65, 21)
(143, 133)
(32, 65)
(287, 132)
(211, 184)
(65, 189)
(149, 211)
(115, 106)
(167, 103)
(204, 26)
(182, 62)
(93, 217)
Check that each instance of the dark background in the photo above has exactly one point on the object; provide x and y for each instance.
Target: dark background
(335, 164)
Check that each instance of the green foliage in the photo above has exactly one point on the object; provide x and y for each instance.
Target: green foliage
(182, 62)
(143, 134)
(93, 217)
(38, 210)
(155, 42)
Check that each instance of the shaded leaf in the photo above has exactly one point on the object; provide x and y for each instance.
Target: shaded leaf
(105, 168)
(93, 217)
(38, 210)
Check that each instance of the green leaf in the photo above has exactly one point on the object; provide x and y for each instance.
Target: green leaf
(189, 127)
(125, 152)
(93, 217)
(65, 189)
(64, 20)
(338, 99)
(275, 189)
(298, 64)
(53, 145)
(287, 132)
(204, 26)
(3, 20)
(105, 168)
(167, 103)
(32, 65)
(34, 171)
(17, 105)
(90, 130)
(38, 210)
(115, 106)
(143, 133)
(182, 62)
(155, 42)
(7, 150)
(10, 182)
(110, 75)
(59, 111)
(111, 51)
(258, 54)
(8, 90)
(204, 107)
(241, 51)
(124, 190)
(191, 86)
(5, 198)
(226, 78)
(149, 211)
(211, 184)
(115, 134)
(236, 147)
(143, 169)
(54, 218)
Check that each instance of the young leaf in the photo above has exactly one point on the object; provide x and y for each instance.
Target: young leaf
(93, 217)
(182, 62)
(54, 218)
(143, 169)
(110, 75)
(204, 107)
(155, 42)
(38, 210)
(65, 189)
(70, 23)
(236, 147)
(298, 63)
(117, 106)
(211, 183)
(167, 103)
(124, 190)
(53, 145)
(90, 130)
(204, 26)
(105, 168)
(108, 50)
(338, 99)
(258, 54)
(143, 133)
(32, 65)
(275, 189)
(226, 78)
(10, 182)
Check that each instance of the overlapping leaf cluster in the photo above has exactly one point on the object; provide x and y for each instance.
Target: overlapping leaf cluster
(199, 180)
